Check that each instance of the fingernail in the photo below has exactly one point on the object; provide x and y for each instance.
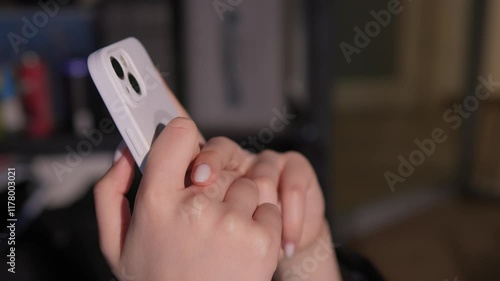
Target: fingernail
(119, 151)
(202, 173)
(289, 249)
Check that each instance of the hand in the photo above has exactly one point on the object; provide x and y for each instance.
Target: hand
(291, 177)
(284, 179)
(228, 237)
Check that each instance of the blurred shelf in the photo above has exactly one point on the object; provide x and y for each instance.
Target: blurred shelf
(55, 145)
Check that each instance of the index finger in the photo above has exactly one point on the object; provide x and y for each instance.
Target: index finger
(217, 154)
(266, 173)
(171, 155)
(112, 207)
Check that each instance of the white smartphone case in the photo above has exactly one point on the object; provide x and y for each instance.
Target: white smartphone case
(139, 117)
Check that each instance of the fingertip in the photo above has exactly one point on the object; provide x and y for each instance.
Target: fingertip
(202, 174)
(289, 249)
(207, 166)
(182, 123)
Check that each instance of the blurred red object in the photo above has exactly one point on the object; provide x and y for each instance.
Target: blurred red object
(35, 91)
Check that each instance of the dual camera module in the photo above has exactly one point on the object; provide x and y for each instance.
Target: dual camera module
(117, 67)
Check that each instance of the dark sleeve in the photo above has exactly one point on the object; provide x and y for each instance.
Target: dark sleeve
(354, 267)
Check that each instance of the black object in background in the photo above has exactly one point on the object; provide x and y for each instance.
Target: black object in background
(354, 267)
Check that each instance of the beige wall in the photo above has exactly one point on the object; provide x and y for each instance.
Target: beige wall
(376, 120)
(491, 60)
(430, 62)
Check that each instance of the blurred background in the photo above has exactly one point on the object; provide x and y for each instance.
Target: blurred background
(394, 102)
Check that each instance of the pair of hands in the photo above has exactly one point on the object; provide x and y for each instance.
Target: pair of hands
(228, 221)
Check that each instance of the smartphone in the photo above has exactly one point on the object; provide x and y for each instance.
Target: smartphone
(134, 92)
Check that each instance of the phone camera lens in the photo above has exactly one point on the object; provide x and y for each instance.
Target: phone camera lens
(118, 68)
(134, 83)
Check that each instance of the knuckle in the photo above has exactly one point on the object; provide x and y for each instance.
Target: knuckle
(244, 181)
(232, 222)
(265, 183)
(267, 167)
(234, 165)
(218, 188)
(297, 156)
(248, 159)
(222, 140)
(209, 154)
(248, 156)
(269, 153)
(195, 208)
(223, 181)
(200, 201)
(181, 123)
(264, 242)
(295, 190)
